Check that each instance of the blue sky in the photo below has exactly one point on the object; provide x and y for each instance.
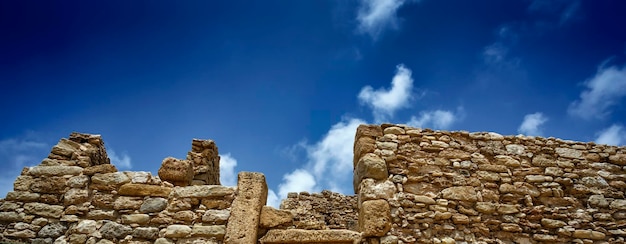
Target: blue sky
(282, 85)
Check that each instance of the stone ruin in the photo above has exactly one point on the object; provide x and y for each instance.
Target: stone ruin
(411, 186)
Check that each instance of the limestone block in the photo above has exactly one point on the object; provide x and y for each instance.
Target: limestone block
(65, 148)
(10, 217)
(370, 190)
(44, 210)
(75, 196)
(485, 207)
(569, 153)
(113, 231)
(79, 181)
(217, 231)
(135, 219)
(311, 236)
(508, 208)
(271, 217)
(85, 227)
(53, 230)
(618, 204)
(214, 191)
(370, 166)
(98, 214)
(100, 169)
(177, 231)
(163, 241)
(131, 203)
(552, 223)
(461, 193)
(589, 234)
(26, 234)
(619, 159)
(59, 170)
(22, 196)
(153, 205)
(374, 218)
(109, 181)
(216, 216)
(362, 146)
(176, 171)
(10, 206)
(246, 209)
(149, 233)
(22, 183)
(141, 190)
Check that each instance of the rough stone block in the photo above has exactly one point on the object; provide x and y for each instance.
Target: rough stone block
(42, 209)
(214, 191)
(59, 170)
(216, 231)
(374, 218)
(109, 181)
(142, 190)
(176, 171)
(100, 169)
(311, 236)
(369, 166)
(461, 193)
(271, 217)
(246, 209)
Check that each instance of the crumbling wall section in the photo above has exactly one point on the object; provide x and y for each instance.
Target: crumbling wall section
(424, 186)
(322, 211)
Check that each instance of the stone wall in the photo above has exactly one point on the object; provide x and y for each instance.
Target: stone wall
(322, 211)
(427, 186)
(76, 196)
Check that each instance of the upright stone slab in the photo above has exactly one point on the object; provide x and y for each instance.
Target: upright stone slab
(246, 209)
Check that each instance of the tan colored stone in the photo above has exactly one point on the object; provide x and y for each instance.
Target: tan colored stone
(39, 171)
(619, 159)
(508, 209)
(141, 190)
(135, 219)
(370, 189)
(100, 169)
(589, 234)
(370, 166)
(109, 181)
(201, 191)
(22, 183)
(552, 223)
(461, 193)
(271, 217)
(22, 196)
(216, 231)
(130, 203)
(217, 216)
(44, 210)
(424, 199)
(176, 171)
(374, 218)
(569, 153)
(75, 196)
(310, 236)
(246, 208)
(510, 227)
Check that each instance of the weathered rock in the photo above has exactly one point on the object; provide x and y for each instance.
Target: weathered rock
(109, 181)
(246, 208)
(370, 166)
(45, 210)
(53, 230)
(370, 190)
(39, 171)
(135, 219)
(153, 205)
(142, 190)
(115, 231)
(75, 196)
(177, 231)
(589, 234)
(569, 153)
(85, 227)
(100, 169)
(176, 171)
(374, 218)
(271, 217)
(216, 216)
(216, 231)
(149, 233)
(311, 236)
(461, 193)
(205, 191)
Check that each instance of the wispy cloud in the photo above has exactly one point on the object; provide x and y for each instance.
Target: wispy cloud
(228, 176)
(436, 119)
(559, 11)
(532, 124)
(16, 153)
(496, 54)
(605, 90)
(121, 161)
(384, 102)
(329, 163)
(374, 16)
(613, 135)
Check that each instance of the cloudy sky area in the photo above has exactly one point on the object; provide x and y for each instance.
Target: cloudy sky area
(282, 85)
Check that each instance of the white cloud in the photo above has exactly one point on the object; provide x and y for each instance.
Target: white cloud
(329, 163)
(228, 176)
(17, 153)
(272, 199)
(374, 16)
(122, 161)
(532, 123)
(437, 119)
(385, 102)
(614, 135)
(604, 90)
(561, 10)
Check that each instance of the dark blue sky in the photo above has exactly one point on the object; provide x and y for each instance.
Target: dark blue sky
(280, 85)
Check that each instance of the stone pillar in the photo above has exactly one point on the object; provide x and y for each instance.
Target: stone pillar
(371, 183)
(206, 162)
(251, 196)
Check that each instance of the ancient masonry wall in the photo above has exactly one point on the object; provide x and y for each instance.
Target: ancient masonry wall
(427, 186)
(412, 186)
